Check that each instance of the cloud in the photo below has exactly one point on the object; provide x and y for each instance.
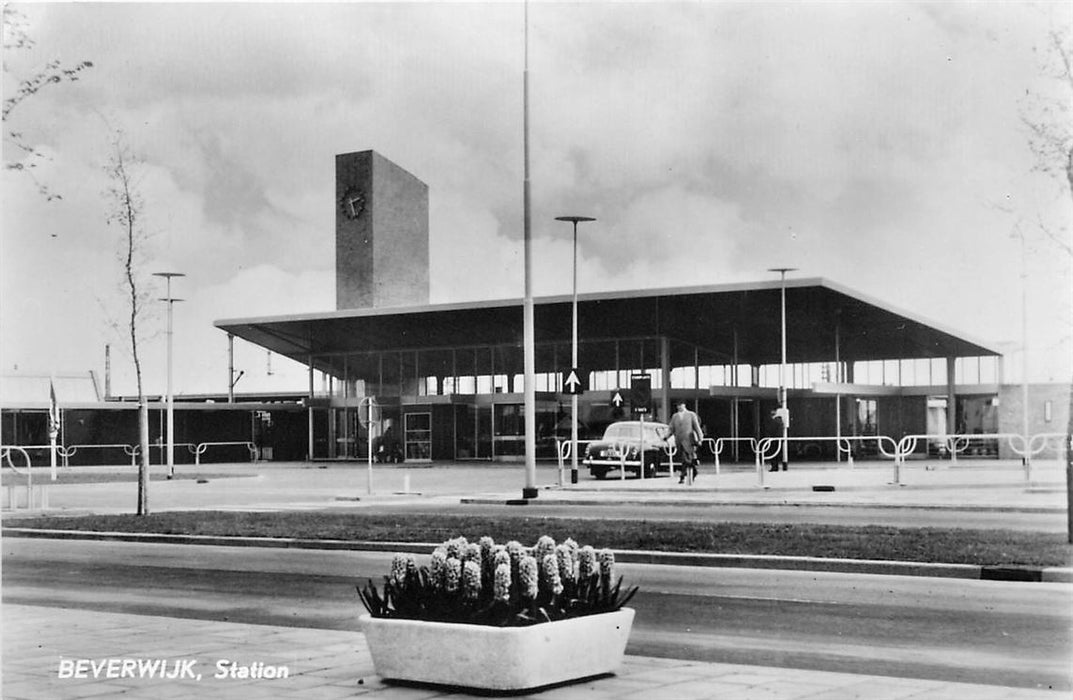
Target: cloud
(861, 142)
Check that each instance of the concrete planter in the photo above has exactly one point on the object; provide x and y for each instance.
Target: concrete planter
(498, 658)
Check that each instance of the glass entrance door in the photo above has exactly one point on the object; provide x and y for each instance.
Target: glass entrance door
(417, 437)
(473, 432)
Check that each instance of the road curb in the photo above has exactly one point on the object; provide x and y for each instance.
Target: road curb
(589, 502)
(626, 556)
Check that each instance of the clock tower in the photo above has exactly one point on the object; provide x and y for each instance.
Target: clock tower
(381, 234)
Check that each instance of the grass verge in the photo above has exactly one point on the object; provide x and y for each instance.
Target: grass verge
(931, 545)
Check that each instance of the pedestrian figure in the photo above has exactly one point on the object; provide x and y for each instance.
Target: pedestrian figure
(685, 427)
(778, 419)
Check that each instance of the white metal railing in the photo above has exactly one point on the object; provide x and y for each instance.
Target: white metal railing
(5, 458)
(563, 450)
(10, 489)
(887, 447)
(769, 447)
(716, 445)
(65, 452)
(201, 447)
(68, 451)
(1026, 449)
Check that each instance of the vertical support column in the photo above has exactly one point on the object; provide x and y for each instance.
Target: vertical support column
(309, 414)
(618, 367)
(230, 368)
(665, 376)
(696, 379)
(348, 439)
(951, 401)
(838, 394)
(735, 409)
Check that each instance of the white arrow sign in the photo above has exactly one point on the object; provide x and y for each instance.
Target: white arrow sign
(572, 382)
(617, 399)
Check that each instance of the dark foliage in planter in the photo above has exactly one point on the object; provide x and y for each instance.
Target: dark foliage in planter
(499, 585)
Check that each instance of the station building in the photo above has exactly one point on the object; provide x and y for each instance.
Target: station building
(448, 377)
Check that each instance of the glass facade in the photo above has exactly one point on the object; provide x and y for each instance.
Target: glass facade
(467, 402)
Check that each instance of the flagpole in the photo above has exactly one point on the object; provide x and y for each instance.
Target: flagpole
(529, 346)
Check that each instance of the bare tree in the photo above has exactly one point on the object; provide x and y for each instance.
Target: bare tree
(1049, 118)
(125, 211)
(16, 37)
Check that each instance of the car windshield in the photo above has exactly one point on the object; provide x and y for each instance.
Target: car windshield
(630, 431)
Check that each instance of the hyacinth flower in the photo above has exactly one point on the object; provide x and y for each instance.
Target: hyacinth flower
(516, 551)
(471, 581)
(452, 579)
(528, 578)
(488, 565)
(544, 546)
(549, 578)
(607, 563)
(413, 572)
(437, 567)
(398, 571)
(607, 571)
(455, 546)
(501, 587)
(586, 563)
(568, 581)
(565, 560)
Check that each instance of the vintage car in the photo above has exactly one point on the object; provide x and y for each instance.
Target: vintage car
(621, 445)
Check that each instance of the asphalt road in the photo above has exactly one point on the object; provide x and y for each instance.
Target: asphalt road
(1000, 633)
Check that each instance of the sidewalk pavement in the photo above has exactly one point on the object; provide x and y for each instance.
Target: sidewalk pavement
(42, 647)
(967, 484)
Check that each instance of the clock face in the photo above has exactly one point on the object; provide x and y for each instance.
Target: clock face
(352, 203)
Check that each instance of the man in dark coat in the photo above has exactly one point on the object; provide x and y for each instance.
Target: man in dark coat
(685, 427)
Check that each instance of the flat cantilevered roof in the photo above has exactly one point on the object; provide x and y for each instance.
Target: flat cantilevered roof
(725, 322)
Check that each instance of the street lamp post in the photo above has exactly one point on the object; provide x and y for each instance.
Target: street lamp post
(782, 367)
(171, 397)
(1027, 458)
(573, 356)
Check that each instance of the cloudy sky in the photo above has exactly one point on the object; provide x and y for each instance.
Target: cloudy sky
(878, 145)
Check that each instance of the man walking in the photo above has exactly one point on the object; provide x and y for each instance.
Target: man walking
(685, 427)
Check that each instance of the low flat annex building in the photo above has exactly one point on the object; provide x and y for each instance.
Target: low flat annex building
(448, 377)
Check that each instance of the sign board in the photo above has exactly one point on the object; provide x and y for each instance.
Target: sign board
(368, 411)
(573, 382)
(640, 392)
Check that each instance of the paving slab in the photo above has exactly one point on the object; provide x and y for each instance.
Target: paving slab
(64, 653)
